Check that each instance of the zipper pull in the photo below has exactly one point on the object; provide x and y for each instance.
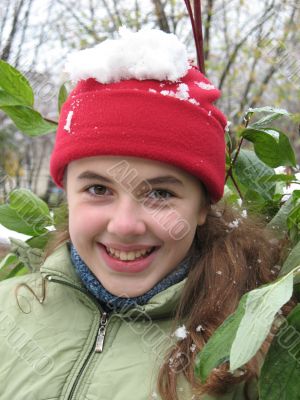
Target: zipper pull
(101, 333)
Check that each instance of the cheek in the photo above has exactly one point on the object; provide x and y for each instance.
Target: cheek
(85, 221)
(173, 225)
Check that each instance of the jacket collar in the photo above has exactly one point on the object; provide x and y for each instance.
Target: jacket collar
(162, 305)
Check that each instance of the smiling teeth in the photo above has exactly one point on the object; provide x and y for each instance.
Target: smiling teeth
(127, 256)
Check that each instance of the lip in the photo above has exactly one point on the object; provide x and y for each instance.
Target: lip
(127, 266)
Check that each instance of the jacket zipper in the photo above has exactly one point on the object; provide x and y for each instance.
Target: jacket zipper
(101, 333)
(99, 341)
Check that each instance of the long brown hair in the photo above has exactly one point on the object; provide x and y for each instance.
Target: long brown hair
(230, 256)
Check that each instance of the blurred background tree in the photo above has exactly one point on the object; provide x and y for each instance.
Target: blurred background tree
(250, 49)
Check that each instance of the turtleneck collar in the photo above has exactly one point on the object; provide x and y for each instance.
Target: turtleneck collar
(109, 301)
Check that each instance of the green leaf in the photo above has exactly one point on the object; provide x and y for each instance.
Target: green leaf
(11, 220)
(273, 114)
(242, 333)
(230, 195)
(292, 260)
(29, 121)
(60, 215)
(293, 218)
(15, 84)
(31, 209)
(254, 202)
(19, 197)
(279, 221)
(217, 349)
(269, 109)
(279, 377)
(260, 309)
(62, 96)
(250, 170)
(7, 100)
(19, 270)
(279, 178)
(26, 213)
(271, 146)
(39, 242)
(8, 260)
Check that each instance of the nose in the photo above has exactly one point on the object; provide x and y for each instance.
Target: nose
(126, 219)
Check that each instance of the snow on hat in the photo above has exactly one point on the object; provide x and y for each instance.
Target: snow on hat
(139, 96)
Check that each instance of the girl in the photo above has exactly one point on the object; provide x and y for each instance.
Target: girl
(148, 267)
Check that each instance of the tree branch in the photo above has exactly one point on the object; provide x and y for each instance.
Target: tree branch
(161, 16)
(237, 47)
(11, 36)
(24, 29)
(207, 28)
(279, 50)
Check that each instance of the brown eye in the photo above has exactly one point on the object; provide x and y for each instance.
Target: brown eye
(97, 190)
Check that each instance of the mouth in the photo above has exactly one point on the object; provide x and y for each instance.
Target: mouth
(128, 261)
(128, 256)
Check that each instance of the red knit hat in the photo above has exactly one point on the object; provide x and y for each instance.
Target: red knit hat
(171, 122)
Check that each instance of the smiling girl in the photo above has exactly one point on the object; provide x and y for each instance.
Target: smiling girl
(149, 266)
(134, 234)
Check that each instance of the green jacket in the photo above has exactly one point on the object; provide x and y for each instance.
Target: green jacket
(48, 350)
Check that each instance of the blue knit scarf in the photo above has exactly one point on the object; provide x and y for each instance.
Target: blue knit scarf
(108, 300)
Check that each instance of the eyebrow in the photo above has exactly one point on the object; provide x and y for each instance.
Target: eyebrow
(89, 175)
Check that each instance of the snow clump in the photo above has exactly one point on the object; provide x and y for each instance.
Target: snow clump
(199, 328)
(244, 214)
(146, 54)
(205, 86)
(227, 126)
(67, 126)
(181, 332)
(193, 347)
(234, 224)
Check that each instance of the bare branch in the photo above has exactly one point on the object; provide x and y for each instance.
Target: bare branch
(238, 45)
(207, 28)
(278, 52)
(111, 15)
(117, 13)
(251, 80)
(137, 15)
(79, 20)
(24, 29)
(12, 34)
(4, 19)
(161, 16)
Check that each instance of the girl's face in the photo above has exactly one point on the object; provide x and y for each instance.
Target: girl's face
(132, 220)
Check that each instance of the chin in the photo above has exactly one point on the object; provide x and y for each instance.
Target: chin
(130, 291)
